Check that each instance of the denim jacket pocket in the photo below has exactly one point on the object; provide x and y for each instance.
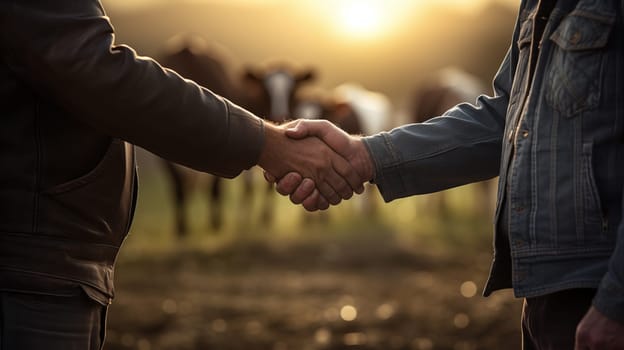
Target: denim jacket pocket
(574, 79)
(594, 218)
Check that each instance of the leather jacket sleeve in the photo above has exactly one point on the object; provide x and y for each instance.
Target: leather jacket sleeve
(64, 51)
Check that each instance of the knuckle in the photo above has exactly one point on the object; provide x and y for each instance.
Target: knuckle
(281, 191)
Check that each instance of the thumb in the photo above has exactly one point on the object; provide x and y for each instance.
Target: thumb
(320, 128)
(269, 177)
(297, 130)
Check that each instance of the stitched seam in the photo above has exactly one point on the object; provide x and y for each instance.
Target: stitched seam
(445, 150)
(53, 276)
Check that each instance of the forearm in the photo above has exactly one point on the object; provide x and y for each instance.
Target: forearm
(64, 49)
(447, 151)
(462, 146)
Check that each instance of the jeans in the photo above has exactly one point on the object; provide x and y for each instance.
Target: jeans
(549, 322)
(51, 322)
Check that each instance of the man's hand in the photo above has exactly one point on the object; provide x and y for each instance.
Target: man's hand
(350, 147)
(596, 331)
(334, 178)
(291, 181)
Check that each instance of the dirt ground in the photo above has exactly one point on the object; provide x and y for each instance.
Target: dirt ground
(373, 292)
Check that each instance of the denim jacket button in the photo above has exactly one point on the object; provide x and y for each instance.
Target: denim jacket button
(576, 37)
(525, 134)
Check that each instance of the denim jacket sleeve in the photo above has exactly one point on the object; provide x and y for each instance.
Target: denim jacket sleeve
(459, 147)
(609, 299)
(64, 51)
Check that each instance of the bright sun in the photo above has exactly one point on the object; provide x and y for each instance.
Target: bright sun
(361, 18)
(370, 18)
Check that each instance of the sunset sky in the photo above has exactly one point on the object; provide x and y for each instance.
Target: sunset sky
(358, 18)
(385, 45)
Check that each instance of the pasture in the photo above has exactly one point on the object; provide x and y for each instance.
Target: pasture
(401, 278)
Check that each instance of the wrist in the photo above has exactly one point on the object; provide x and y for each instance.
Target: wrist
(272, 136)
(363, 160)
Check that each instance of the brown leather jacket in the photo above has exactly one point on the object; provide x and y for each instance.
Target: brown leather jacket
(71, 104)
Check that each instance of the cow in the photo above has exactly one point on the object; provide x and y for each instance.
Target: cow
(271, 91)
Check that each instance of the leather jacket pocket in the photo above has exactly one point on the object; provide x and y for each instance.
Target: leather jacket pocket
(574, 78)
(96, 207)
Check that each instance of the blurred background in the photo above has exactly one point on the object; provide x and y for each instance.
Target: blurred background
(228, 264)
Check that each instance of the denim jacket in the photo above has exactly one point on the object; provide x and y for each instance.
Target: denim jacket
(554, 133)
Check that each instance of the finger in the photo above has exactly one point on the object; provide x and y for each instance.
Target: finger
(297, 130)
(310, 203)
(303, 191)
(289, 183)
(269, 178)
(304, 128)
(348, 173)
(339, 185)
(327, 191)
(580, 342)
(291, 124)
(322, 203)
(315, 202)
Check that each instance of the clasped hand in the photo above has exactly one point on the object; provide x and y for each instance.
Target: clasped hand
(315, 163)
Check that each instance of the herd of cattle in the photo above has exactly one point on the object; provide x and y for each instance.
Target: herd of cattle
(280, 91)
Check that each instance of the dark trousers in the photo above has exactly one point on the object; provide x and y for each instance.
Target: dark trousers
(549, 322)
(50, 322)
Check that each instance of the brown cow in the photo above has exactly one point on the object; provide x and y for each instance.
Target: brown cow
(268, 92)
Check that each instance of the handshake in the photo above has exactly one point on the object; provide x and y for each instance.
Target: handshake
(315, 163)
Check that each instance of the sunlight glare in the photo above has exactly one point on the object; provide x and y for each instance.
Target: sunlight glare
(461, 320)
(219, 325)
(468, 289)
(385, 311)
(369, 18)
(354, 339)
(322, 336)
(361, 17)
(348, 313)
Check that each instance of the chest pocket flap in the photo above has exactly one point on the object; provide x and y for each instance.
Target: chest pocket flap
(574, 78)
(582, 30)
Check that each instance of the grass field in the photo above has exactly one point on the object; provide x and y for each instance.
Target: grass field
(401, 278)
